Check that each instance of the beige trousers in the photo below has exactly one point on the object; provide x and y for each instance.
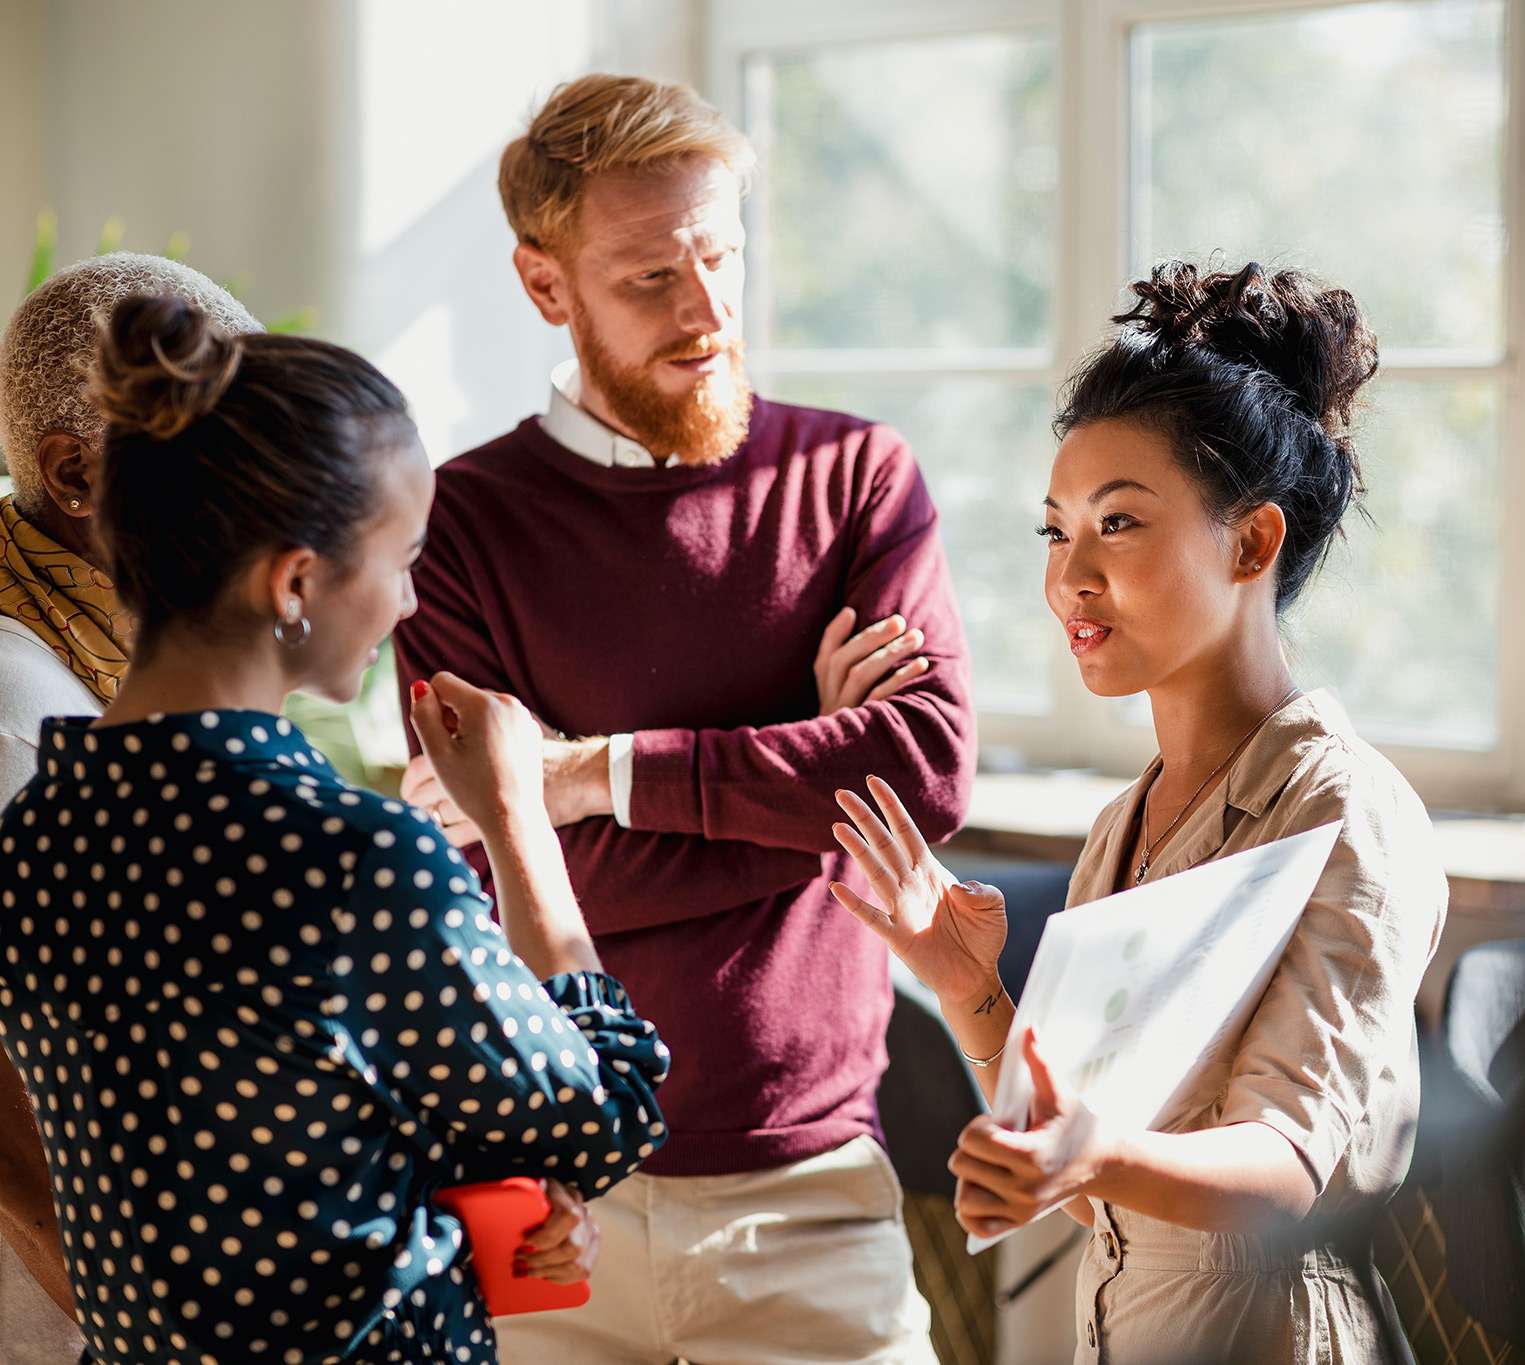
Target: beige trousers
(805, 1263)
(33, 1329)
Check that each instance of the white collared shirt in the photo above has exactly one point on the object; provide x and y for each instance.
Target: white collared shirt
(570, 424)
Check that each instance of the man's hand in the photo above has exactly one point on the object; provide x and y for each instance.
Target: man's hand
(576, 775)
(851, 669)
(564, 1248)
(576, 779)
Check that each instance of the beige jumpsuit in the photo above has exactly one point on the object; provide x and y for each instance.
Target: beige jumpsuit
(1329, 1059)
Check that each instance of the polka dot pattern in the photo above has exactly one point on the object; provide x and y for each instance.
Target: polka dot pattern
(262, 1015)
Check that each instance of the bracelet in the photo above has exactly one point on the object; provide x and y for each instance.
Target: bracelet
(982, 1062)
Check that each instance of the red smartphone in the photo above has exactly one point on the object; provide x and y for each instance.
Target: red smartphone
(497, 1214)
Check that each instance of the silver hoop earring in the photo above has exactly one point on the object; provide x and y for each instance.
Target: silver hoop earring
(292, 630)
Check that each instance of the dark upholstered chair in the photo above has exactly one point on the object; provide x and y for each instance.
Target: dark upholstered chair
(1481, 1198)
(1451, 1244)
(926, 1098)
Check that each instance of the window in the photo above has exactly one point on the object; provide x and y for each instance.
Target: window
(950, 202)
(929, 164)
(1311, 136)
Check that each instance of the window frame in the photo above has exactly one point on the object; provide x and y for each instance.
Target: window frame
(1094, 232)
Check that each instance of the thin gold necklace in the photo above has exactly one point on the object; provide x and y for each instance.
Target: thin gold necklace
(1142, 870)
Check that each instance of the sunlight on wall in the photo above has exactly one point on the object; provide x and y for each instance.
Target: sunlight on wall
(21, 165)
(431, 292)
(422, 353)
(441, 88)
(223, 123)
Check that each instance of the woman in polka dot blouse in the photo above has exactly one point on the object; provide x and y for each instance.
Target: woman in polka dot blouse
(265, 1016)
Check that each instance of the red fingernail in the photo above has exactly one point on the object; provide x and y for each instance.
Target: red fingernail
(420, 689)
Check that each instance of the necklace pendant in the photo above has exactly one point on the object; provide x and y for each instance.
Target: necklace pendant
(1140, 872)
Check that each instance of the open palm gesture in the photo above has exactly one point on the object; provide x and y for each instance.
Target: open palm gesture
(949, 933)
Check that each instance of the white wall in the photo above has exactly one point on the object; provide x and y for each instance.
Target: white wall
(439, 91)
(338, 154)
(22, 195)
(221, 121)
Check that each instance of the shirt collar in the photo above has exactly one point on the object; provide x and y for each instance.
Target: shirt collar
(1256, 776)
(1276, 751)
(1281, 746)
(71, 747)
(570, 424)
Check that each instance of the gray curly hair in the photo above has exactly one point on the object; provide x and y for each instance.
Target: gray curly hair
(49, 344)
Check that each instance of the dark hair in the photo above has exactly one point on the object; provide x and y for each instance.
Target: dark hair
(220, 447)
(1253, 379)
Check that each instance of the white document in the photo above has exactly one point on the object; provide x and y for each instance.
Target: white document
(1133, 995)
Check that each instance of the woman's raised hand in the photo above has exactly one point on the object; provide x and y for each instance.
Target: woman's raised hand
(484, 749)
(949, 933)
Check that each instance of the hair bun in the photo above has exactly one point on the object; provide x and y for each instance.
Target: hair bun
(160, 365)
(1314, 341)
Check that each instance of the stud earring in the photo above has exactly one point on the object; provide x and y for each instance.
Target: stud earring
(75, 504)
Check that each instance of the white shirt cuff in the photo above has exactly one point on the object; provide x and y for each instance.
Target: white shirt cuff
(621, 776)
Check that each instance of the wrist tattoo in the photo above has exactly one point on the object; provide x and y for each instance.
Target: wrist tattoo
(987, 1006)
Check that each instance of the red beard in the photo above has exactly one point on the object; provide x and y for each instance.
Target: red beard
(702, 427)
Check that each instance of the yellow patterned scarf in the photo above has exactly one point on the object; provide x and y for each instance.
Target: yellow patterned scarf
(69, 606)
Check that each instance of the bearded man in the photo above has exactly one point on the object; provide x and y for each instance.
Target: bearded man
(674, 570)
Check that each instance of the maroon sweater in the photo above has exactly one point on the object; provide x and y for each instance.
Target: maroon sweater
(686, 605)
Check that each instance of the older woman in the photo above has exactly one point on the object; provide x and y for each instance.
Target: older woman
(63, 650)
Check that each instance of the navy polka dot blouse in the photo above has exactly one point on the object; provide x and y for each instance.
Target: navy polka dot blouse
(263, 1017)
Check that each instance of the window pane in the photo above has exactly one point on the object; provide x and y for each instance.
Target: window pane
(1363, 142)
(1404, 621)
(985, 448)
(929, 165)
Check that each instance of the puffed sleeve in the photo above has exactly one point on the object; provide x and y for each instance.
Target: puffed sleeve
(1340, 1008)
(505, 1071)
